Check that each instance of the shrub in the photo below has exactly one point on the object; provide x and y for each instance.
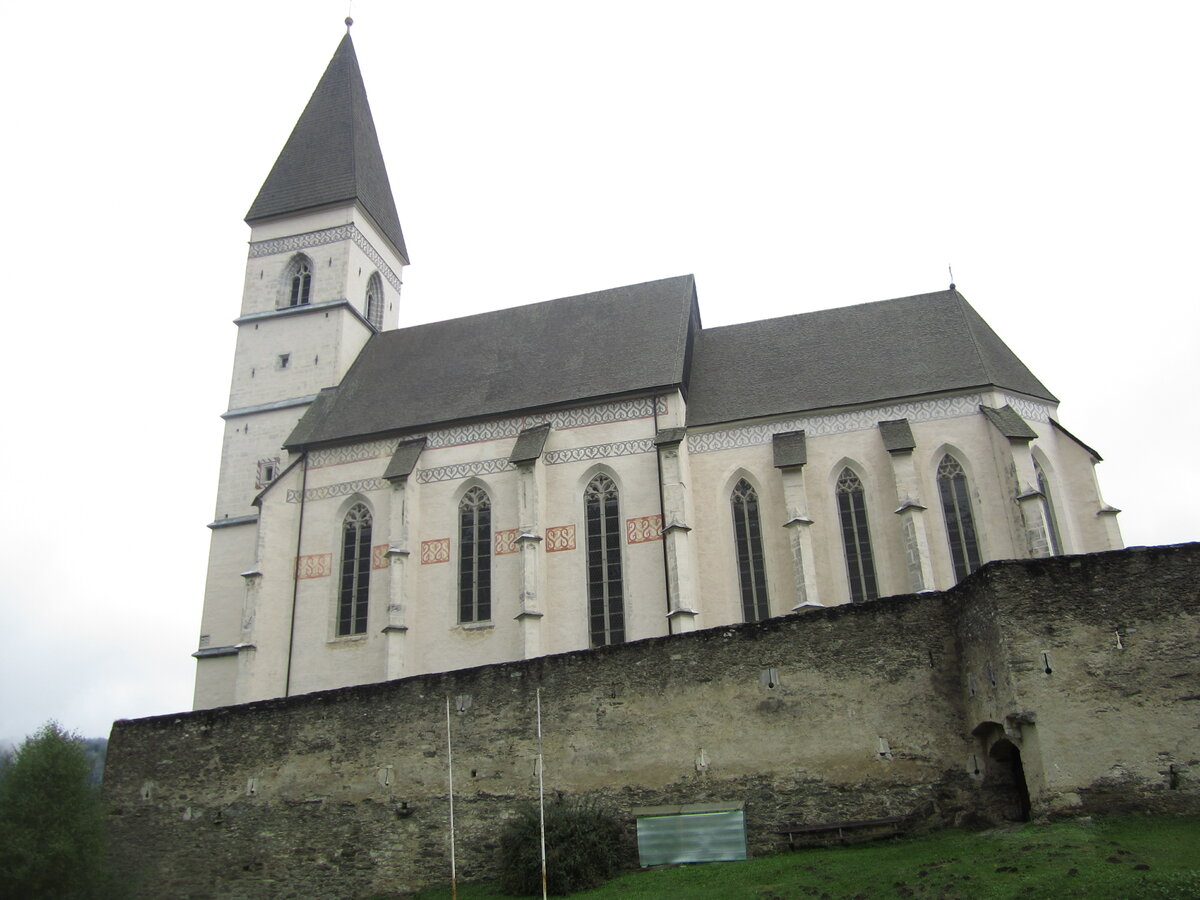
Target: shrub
(585, 846)
(52, 825)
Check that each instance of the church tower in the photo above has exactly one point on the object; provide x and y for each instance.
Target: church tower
(323, 276)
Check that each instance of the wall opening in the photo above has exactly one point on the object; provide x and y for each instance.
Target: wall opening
(1005, 780)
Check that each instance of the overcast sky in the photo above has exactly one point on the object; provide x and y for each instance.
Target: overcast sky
(793, 156)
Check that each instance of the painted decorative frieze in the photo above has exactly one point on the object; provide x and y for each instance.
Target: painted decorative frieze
(643, 529)
(335, 456)
(559, 538)
(505, 542)
(328, 491)
(436, 551)
(598, 451)
(835, 423)
(463, 470)
(495, 430)
(1028, 409)
(318, 565)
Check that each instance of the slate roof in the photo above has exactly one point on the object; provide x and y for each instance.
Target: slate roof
(530, 442)
(623, 341)
(645, 338)
(1009, 423)
(333, 154)
(850, 356)
(897, 435)
(789, 448)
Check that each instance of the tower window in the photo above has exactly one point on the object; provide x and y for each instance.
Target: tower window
(856, 536)
(284, 360)
(355, 585)
(375, 301)
(268, 469)
(747, 533)
(475, 556)
(298, 282)
(606, 603)
(960, 520)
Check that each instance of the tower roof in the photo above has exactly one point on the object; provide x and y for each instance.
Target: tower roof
(333, 154)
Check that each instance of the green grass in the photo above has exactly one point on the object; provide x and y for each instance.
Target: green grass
(1126, 858)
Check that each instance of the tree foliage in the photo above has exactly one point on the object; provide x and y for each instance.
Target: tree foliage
(53, 839)
(585, 846)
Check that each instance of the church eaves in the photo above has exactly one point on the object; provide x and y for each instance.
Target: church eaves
(333, 155)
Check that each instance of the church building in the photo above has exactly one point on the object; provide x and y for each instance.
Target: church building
(585, 471)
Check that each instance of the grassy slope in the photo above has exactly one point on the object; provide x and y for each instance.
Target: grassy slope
(1132, 857)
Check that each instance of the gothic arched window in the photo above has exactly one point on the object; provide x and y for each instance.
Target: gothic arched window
(375, 301)
(475, 556)
(856, 538)
(299, 281)
(1051, 518)
(960, 521)
(356, 571)
(747, 533)
(606, 602)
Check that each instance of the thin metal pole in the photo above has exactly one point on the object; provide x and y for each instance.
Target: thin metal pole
(541, 791)
(450, 770)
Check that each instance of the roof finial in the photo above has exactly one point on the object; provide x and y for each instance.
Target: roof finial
(349, 9)
(951, 270)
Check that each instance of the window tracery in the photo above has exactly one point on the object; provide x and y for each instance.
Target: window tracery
(374, 303)
(856, 536)
(355, 585)
(475, 556)
(747, 532)
(960, 520)
(299, 281)
(606, 603)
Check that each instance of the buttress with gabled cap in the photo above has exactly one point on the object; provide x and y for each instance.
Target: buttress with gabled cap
(333, 155)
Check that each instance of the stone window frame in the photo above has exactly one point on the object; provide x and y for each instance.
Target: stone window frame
(850, 497)
(1043, 486)
(373, 304)
(474, 582)
(268, 471)
(749, 555)
(297, 282)
(354, 573)
(604, 566)
(958, 514)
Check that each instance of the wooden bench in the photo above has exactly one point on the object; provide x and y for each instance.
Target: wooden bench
(841, 832)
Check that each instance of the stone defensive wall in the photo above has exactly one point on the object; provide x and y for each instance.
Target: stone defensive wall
(1061, 686)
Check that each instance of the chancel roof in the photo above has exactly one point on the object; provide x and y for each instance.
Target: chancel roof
(333, 154)
(850, 356)
(646, 338)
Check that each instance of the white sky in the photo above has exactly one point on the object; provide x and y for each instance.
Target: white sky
(794, 156)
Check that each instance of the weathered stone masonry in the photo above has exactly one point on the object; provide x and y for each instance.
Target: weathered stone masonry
(1087, 665)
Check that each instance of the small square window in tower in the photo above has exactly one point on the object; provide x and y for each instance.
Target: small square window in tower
(268, 469)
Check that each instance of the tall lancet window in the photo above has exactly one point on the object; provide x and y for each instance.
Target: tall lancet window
(356, 571)
(747, 534)
(375, 301)
(856, 538)
(299, 281)
(475, 556)
(1051, 518)
(606, 594)
(960, 521)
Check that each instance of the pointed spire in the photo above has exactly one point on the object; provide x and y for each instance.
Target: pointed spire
(333, 155)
